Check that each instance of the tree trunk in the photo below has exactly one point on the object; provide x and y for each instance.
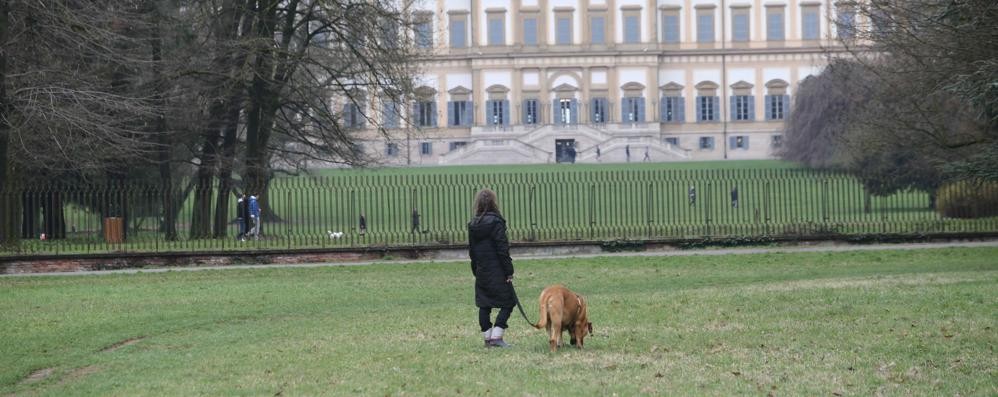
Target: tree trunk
(168, 225)
(10, 199)
(225, 171)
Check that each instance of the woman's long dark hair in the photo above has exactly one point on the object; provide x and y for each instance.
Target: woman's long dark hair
(486, 201)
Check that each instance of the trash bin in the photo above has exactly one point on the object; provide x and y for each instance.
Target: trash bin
(114, 232)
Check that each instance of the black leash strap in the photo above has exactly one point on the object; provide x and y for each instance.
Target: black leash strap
(519, 306)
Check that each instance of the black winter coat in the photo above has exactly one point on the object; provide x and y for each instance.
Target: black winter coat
(490, 261)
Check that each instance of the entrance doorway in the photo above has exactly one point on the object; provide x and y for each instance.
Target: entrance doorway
(564, 150)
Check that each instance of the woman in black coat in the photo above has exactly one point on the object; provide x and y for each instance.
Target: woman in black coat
(492, 266)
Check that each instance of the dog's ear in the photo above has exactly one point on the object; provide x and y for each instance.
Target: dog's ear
(590, 326)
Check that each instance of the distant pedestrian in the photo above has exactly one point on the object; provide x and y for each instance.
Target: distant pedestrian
(415, 220)
(597, 153)
(647, 157)
(693, 195)
(734, 197)
(627, 152)
(256, 217)
(363, 224)
(242, 216)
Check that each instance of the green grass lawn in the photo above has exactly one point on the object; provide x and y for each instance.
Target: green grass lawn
(918, 322)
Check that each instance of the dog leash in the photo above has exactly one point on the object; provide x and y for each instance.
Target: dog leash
(519, 306)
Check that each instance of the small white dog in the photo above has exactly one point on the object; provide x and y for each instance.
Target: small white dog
(334, 235)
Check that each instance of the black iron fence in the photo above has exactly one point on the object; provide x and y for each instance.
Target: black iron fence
(358, 210)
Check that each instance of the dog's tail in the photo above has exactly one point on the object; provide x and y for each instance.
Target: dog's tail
(543, 321)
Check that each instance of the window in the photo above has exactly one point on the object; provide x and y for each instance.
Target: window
(705, 27)
(879, 21)
(670, 28)
(426, 115)
(672, 109)
(566, 111)
(738, 142)
(389, 33)
(743, 107)
(776, 107)
(530, 31)
(497, 112)
(597, 26)
(810, 23)
(458, 31)
(497, 29)
(774, 24)
(707, 108)
(632, 28)
(457, 145)
(424, 33)
(846, 22)
(632, 110)
(740, 25)
(599, 111)
(390, 114)
(672, 141)
(530, 114)
(426, 148)
(777, 141)
(392, 149)
(352, 116)
(706, 143)
(563, 34)
(459, 113)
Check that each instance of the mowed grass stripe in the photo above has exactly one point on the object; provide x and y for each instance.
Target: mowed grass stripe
(856, 323)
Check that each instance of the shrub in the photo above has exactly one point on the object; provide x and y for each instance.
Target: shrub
(968, 199)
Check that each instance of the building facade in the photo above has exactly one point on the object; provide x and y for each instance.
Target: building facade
(543, 81)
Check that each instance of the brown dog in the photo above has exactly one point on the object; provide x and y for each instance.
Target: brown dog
(563, 309)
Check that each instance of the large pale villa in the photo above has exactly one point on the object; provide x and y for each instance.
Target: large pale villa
(543, 81)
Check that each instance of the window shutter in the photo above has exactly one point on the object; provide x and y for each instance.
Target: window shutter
(575, 112)
(731, 142)
(390, 114)
(733, 107)
(663, 110)
(698, 107)
(451, 114)
(751, 107)
(433, 114)
(717, 108)
(556, 113)
(746, 141)
(679, 109)
(640, 117)
(625, 109)
(505, 113)
(468, 113)
(786, 107)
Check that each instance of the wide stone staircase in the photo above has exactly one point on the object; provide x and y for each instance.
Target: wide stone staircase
(536, 144)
